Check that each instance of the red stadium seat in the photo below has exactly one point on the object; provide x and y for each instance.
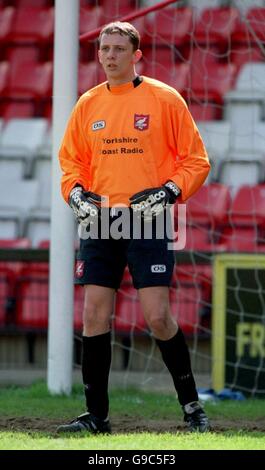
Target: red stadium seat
(205, 111)
(256, 20)
(89, 75)
(32, 3)
(140, 25)
(30, 80)
(207, 213)
(251, 29)
(22, 54)
(116, 10)
(184, 303)
(243, 239)
(32, 26)
(202, 238)
(6, 20)
(47, 111)
(18, 110)
(243, 54)
(9, 273)
(128, 314)
(176, 76)
(246, 229)
(89, 19)
(4, 75)
(44, 244)
(201, 58)
(171, 25)
(159, 55)
(32, 297)
(7, 292)
(209, 206)
(208, 81)
(3, 296)
(198, 273)
(16, 243)
(216, 25)
(213, 83)
(248, 206)
(190, 297)
(86, 3)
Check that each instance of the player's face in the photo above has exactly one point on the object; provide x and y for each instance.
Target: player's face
(118, 59)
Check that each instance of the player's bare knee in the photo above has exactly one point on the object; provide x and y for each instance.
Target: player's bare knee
(95, 319)
(157, 322)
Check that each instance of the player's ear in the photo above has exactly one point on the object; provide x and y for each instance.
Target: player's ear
(137, 56)
(99, 56)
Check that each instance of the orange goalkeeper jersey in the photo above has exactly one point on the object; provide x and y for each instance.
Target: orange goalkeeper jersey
(124, 139)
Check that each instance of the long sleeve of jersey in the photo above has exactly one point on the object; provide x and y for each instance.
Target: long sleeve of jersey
(74, 155)
(192, 160)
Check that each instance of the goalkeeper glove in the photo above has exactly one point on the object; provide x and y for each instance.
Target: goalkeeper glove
(152, 201)
(85, 204)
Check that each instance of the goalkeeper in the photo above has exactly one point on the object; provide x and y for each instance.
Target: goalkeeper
(131, 141)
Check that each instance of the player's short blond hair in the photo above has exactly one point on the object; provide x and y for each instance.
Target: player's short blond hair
(124, 29)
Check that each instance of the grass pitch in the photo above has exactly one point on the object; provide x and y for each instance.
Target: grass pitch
(140, 421)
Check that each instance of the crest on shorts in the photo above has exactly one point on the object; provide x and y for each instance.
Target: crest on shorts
(141, 122)
(79, 269)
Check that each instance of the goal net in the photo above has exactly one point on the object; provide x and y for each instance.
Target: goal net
(213, 53)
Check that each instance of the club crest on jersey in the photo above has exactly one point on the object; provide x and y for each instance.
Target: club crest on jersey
(79, 269)
(141, 122)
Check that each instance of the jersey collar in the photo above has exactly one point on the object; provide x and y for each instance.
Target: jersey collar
(125, 87)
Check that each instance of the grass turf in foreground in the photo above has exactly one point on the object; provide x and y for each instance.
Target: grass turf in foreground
(137, 406)
(36, 401)
(139, 441)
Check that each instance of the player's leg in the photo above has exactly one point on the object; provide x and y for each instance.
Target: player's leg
(152, 271)
(96, 361)
(155, 304)
(175, 353)
(96, 355)
(101, 274)
(170, 340)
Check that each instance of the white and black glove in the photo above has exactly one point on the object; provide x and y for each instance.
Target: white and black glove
(152, 201)
(85, 204)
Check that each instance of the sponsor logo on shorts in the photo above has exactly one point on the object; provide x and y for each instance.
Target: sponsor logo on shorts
(97, 125)
(158, 268)
(79, 269)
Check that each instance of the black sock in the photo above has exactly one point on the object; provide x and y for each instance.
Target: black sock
(96, 360)
(176, 356)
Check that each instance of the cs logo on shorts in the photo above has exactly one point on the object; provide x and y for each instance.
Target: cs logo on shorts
(79, 269)
(158, 268)
(141, 122)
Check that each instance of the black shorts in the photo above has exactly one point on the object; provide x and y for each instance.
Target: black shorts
(102, 262)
